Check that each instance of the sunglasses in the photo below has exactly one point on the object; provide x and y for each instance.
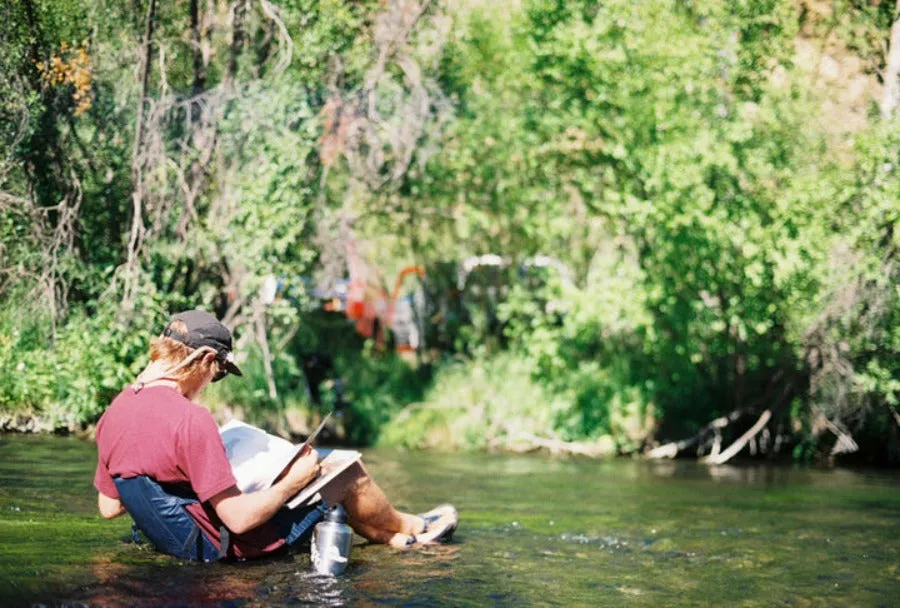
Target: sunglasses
(221, 372)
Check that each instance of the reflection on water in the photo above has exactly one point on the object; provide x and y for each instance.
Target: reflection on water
(763, 474)
(534, 531)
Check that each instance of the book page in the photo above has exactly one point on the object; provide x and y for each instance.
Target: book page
(330, 467)
(256, 457)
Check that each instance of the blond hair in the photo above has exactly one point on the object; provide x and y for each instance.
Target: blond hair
(171, 353)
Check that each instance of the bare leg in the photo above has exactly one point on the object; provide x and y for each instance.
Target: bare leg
(369, 510)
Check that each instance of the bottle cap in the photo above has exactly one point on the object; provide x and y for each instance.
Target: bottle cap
(336, 514)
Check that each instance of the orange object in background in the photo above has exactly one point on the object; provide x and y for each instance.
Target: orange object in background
(368, 303)
(398, 285)
(356, 307)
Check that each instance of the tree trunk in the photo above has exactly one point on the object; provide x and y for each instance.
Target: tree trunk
(891, 98)
(197, 53)
(146, 62)
(259, 314)
(137, 222)
(237, 39)
(265, 47)
(46, 171)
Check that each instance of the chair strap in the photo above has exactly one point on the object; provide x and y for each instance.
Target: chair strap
(225, 541)
(191, 539)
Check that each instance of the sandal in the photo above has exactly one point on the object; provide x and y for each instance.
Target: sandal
(440, 523)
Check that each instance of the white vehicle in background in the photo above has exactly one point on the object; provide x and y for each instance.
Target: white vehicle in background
(488, 277)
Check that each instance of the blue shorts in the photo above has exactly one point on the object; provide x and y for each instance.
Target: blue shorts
(159, 512)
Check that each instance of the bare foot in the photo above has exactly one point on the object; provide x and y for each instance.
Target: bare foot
(402, 541)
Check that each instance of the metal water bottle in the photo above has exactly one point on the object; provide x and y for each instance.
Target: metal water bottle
(330, 548)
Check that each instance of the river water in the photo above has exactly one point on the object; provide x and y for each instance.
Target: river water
(534, 531)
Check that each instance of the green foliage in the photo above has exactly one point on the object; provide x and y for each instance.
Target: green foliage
(864, 27)
(69, 380)
(726, 252)
(378, 387)
(477, 404)
(251, 392)
(582, 346)
(655, 148)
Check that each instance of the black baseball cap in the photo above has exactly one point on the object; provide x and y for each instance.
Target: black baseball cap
(203, 329)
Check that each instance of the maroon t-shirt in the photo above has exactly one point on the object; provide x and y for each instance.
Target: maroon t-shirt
(158, 433)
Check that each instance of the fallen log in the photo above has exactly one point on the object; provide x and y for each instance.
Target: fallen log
(845, 443)
(744, 439)
(670, 450)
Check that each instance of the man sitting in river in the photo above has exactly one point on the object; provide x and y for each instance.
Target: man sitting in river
(162, 460)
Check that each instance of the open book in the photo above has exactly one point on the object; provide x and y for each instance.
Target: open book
(258, 458)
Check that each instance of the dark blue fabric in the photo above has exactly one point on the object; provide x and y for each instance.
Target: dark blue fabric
(295, 526)
(161, 515)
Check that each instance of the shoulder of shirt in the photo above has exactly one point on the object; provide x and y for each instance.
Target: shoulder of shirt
(162, 393)
(194, 411)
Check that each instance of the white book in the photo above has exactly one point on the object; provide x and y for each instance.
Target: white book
(258, 458)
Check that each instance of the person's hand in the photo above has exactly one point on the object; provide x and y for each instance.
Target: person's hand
(303, 470)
